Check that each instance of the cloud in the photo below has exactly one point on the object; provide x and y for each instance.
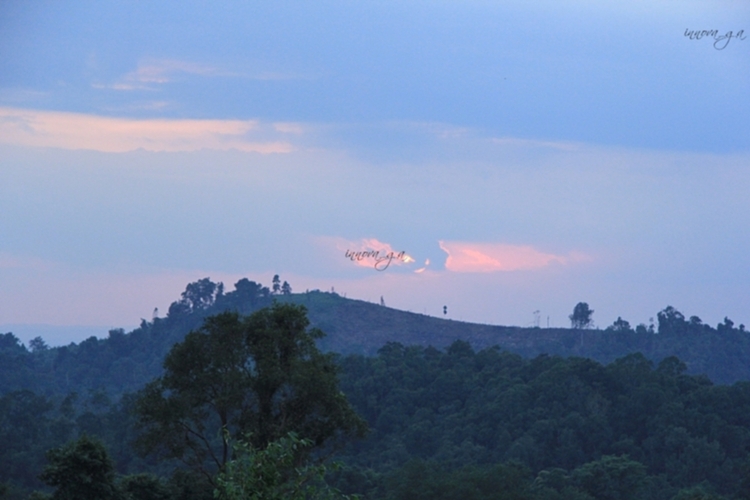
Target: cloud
(153, 72)
(422, 269)
(289, 127)
(468, 257)
(531, 143)
(81, 131)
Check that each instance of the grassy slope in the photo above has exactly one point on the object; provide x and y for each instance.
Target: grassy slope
(126, 362)
(355, 326)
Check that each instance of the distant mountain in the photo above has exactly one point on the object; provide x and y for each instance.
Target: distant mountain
(126, 361)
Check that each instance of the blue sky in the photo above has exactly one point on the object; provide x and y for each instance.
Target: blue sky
(536, 156)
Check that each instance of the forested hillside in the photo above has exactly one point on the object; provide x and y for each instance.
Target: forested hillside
(455, 410)
(551, 427)
(460, 424)
(126, 361)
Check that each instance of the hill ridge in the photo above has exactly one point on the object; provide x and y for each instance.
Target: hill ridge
(124, 362)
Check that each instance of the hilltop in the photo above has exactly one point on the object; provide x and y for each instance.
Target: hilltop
(126, 361)
(359, 327)
(451, 414)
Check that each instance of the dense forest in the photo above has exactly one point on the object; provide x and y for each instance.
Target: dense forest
(454, 420)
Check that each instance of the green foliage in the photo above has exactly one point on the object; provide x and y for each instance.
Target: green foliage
(38, 495)
(260, 375)
(697, 493)
(611, 478)
(420, 480)
(81, 469)
(607, 428)
(273, 473)
(125, 362)
(455, 410)
(143, 487)
(186, 485)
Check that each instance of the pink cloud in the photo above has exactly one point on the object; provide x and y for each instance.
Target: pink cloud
(81, 131)
(469, 257)
(160, 71)
(150, 74)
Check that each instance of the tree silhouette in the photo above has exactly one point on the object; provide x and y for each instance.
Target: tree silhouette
(259, 375)
(581, 317)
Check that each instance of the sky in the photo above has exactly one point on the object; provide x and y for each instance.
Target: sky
(504, 159)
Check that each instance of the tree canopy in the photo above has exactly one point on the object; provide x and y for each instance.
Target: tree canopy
(81, 469)
(581, 317)
(259, 375)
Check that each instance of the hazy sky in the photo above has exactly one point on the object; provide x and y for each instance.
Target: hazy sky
(524, 155)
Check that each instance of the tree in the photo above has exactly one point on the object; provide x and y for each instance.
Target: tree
(581, 317)
(725, 327)
(143, 487)
(38, 344)
(81, 469)
(248, 296)
(611, 477)
(273, 473)
(201, 294)
(696, 493)
(671, 321)
(286, 289)
(276, 284)
(198, 296)
(620, 325)
(259, 375)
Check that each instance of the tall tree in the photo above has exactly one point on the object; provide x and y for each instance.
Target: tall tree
(276, 284)
(259, 375)
(671, 321)
(581, 317)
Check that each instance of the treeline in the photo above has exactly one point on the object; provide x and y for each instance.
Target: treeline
(460, 424)
(549, 423)
(122, 362)
(242, 403)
